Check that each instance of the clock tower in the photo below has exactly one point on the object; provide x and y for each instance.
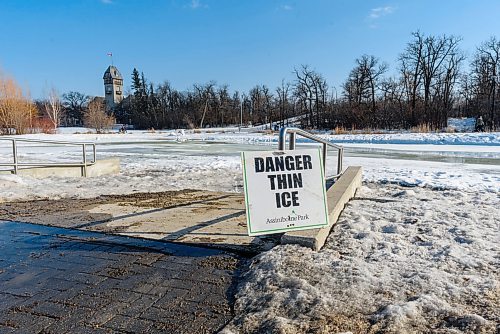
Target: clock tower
(113, 87)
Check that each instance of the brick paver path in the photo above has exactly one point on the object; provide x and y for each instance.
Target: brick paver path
(55, 280)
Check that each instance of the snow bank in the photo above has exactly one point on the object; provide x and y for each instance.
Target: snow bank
(429, 174)
(399, 261)
(140, 173)
(479, 138)
(250, 136)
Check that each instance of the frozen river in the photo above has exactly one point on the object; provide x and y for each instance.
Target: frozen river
(170, 161)
(165, 148)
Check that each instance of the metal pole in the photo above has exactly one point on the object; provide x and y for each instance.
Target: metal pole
(14, 154)
(84, 161)
(291, 145)
(241, 115)
(492, 121)
(339, 163)
(282, 139)
(325, 152)
(95, 155)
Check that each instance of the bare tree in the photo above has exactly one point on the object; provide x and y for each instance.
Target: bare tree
(283, 94)
(74, 104)
(223, 104)
(311, 91)
(430, 68)
(204, 95)
(411, 71)
(362, 84)
(53, 107)
(392, 109)
(96, 118)
(487, 61)
(260, 104)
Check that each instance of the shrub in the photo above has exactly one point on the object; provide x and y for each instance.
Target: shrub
(42, 125)
(16, 110)
(422, 128)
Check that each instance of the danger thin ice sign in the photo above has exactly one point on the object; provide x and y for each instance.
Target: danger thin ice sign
(284, 191)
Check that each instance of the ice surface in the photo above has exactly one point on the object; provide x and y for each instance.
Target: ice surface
(170, 160)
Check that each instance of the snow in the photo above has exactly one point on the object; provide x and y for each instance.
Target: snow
(178, 159)
(399, 261)
(435, 138)
(416, 250)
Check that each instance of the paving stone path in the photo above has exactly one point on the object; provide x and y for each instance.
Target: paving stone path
(55, 280)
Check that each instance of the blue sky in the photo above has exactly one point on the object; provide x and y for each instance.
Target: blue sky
(63, 43)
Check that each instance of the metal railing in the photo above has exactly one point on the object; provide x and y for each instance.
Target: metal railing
(17, 165)
(293, 132)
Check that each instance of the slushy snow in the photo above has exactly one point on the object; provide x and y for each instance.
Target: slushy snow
(400, 260)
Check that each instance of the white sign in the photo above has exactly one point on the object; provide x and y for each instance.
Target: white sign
(284, 191)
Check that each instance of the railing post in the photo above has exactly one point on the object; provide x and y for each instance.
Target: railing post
(84, 161)
(291, 144)
(282, 139)
(339, 163)
(14, 154)
(325, 152)
(94, 151)
(293, 132)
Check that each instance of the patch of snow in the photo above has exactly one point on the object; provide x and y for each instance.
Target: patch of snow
(398, 261)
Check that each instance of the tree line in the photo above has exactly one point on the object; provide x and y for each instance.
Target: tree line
(20, 115)
(432, 80)
(431, 83)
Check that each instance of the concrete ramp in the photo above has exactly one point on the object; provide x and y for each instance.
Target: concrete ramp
(209, 219)
(100, 167)
(337, 195)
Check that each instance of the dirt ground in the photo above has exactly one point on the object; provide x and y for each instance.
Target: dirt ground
(73, 213)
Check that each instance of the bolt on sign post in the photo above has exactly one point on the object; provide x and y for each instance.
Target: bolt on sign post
(284, 191)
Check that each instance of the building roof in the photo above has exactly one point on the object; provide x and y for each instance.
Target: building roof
(113, 73)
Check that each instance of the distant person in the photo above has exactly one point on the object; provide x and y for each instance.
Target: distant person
(480, 124)
(122, 129)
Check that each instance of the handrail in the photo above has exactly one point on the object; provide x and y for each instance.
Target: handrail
(291, 146)
(84, 164)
